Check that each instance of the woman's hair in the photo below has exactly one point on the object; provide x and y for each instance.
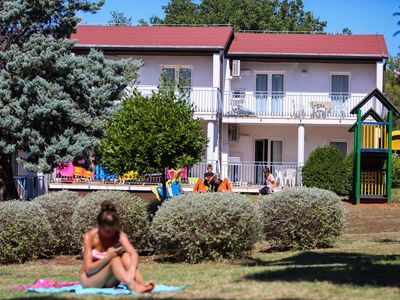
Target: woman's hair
(266, 169)
(108, 215)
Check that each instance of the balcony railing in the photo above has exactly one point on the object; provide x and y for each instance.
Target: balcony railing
(205, 100)
(291, 105)
(251, 172)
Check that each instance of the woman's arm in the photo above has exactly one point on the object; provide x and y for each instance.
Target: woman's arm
(89, 266)
(124, 241)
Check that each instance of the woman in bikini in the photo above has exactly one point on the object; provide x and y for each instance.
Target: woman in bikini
(108, 256)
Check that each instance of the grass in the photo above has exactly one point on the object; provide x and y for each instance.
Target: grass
(365, 264)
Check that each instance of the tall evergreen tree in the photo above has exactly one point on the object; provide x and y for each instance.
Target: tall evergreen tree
(392, 82)
(119, 19)
(271, 15)
(53, 105)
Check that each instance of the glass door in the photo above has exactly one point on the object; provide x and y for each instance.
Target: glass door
(277, 94)
(261, 94)
(339, 93)
(261, 159)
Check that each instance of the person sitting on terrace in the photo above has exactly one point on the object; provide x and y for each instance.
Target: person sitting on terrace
(208, 176)
(269, 183)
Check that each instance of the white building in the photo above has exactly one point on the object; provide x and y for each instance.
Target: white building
(265, 99)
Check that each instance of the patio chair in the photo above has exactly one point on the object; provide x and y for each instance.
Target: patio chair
(279, 178)
(290, 177)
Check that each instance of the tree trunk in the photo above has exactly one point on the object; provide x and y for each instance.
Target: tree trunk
(164, 186)
(8, 190)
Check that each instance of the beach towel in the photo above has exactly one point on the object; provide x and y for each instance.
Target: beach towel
(122, 289)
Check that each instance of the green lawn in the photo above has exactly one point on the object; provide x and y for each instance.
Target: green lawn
(365, 264)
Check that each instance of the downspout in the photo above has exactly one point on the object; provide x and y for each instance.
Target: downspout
(384, 76)
(220, 108)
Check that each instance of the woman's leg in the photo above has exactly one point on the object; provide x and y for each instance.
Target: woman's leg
(99, 279)
(109, 276)
(140, 284)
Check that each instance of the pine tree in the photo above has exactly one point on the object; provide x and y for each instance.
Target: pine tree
(53, 105)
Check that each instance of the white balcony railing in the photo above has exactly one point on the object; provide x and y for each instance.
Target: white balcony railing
(251, 173)
(291, 105)
(205, 100)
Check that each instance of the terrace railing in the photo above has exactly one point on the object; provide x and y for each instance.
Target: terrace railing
(205, 100)
(290, 105)
(251, 172)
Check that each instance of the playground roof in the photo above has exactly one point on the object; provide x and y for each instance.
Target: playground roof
(371, 112)
(153, 37)
(381, 97)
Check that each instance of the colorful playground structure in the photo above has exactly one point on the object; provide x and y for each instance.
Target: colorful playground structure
(372, 178)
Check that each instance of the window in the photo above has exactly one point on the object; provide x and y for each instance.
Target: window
(342, 146)
(177, 75)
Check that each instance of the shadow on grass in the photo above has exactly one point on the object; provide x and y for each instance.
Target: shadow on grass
(335, 267)
(387, 241)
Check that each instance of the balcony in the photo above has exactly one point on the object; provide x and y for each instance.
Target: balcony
(205, 100)
(290, 105)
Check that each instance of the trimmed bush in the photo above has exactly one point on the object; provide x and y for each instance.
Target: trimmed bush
(25, 233)
(395, 171)
(131, 209)
(348, 162)
(325, 169)
(195, 227)
(302, 218)
(59, 208)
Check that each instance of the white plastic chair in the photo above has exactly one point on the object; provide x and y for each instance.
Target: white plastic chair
(279, 178)
(290, 177)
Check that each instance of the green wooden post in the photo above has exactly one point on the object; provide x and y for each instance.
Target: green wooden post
(353, 184)
(389, 160)
(358, 158)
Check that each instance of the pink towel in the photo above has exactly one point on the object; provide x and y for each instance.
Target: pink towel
(46, 283)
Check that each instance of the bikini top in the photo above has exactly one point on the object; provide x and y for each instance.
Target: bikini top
(96, 255)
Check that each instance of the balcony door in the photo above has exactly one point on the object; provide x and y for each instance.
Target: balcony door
(269, 100)
(339, 92)
(277, 94)
(267, 153)
(261, 159)
(261, 94)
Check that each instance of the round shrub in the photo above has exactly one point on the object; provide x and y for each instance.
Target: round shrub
(25, 233)
(302, 218)
(194, 227)
(59, 208)
(131, 209)
(348, 162)
(395, 171)
(325, 169)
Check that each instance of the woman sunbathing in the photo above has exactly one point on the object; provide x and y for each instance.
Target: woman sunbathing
(108, 256)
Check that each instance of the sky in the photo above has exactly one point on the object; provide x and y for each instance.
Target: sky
(360, 16)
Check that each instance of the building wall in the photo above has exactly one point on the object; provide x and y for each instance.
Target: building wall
(149, 73)
(307, 77)
(314, 136)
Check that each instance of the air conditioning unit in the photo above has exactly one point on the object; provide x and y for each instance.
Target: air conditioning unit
(233, 132)
(236, 67)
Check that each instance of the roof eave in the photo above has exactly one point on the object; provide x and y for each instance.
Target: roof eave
(319, 55)
(147, 47)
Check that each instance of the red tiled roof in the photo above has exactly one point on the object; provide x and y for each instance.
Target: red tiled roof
(308, 44)
(215, 37)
